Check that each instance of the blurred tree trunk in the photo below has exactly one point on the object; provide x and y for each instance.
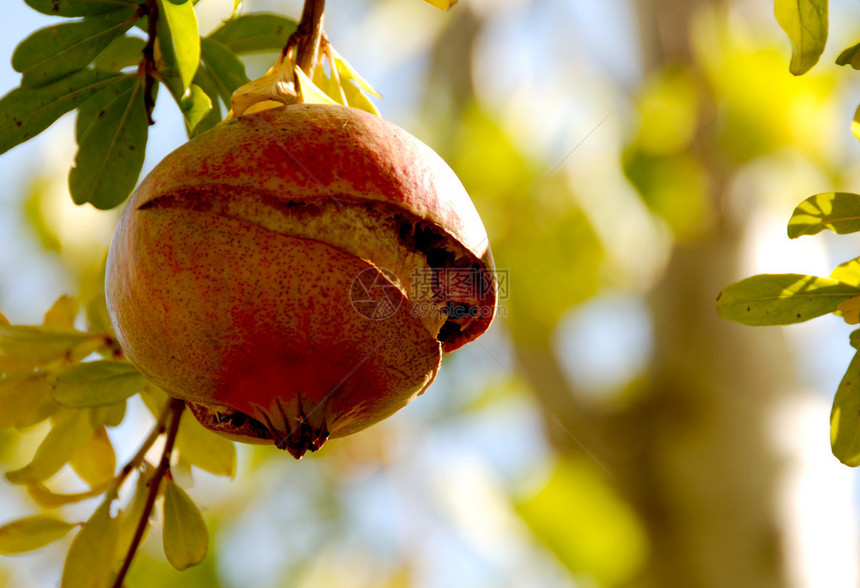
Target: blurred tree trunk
(693, 456)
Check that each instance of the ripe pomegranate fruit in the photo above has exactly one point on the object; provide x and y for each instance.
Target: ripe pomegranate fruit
(296, 273)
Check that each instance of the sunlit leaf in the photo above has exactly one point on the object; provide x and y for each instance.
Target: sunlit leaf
(225, 69)
(805, 24)
(309, 93)
(97, 383)
(836, 211)
(54, 52)
(91, 555)
(205, 82)
(63, 313)
(855, 124)
(848, 272)
(70, 432)
(122, 52)
(348, 72)
(110, 415)
(206, 450)
(26, 400)
(195, 107)
(95, 461)
(78, 7)
(254, 33)
(179, 38)
(845, 416)
(237, 7)
(48, 499)
(111, 152)
(26, 112)
(442, 4)
(31, 533)
(186, 539)
(357, 99)
(131, 515)
(781, 299)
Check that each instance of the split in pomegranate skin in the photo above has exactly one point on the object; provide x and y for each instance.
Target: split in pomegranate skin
(296, 274)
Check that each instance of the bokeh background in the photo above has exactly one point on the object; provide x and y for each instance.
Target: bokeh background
(629, 158)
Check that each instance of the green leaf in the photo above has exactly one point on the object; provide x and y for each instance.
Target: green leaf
(79, 7)
(836, 211)
(95, 462)
(225, 69)
(845, 416)
(850, 56)
(195, 107)
(805, 24)
(94, 108)
(26, 400)
(54, 52)
(98, 383)
(206, 450)
(91, 555)
(254, 33)
(185, 537)
(111, 152)
(70, 432)
(782, 299)
(31, 533)
(854, 339)
(204, 81)
(122, 52)
(179, 38)
(26, 112)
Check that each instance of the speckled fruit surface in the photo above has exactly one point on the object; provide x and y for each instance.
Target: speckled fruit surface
(288, 273)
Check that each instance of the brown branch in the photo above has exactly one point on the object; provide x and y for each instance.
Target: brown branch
(307, 37)
(176, 407)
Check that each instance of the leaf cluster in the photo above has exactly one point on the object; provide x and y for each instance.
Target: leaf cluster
(76, 385)
(782, 299)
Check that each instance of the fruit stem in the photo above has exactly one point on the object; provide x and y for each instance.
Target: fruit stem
(308, 35)
(147, 64)
(175, 408)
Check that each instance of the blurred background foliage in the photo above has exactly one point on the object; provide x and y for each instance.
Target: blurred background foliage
(628, 159)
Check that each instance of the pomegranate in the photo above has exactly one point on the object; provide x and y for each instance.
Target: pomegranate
(296, 273)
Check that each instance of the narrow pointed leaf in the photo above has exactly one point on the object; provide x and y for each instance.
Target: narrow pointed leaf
(63, 313)
(111, 152)
(26, 112)
(186, 539)
(98, 383)
(805, 24)
(442, 4)
(254, 33)
(781, 299)
(31, 533)
(836, 211)
(91, 555)
(54, 52)
(348, 72)
(179, 38)
(79, 7)
(309, 93)
(48, 499)
(132, 513)
(206, 450)
(69, 433)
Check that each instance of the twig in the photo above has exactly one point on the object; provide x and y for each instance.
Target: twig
(307, 37)
(147, 65)
(175, 409)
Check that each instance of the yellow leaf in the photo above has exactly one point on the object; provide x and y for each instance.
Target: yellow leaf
(31, 533)
(206, 450)
(45, 498)
(308, 92)
(91, 555)
(442, 4)
(185, 537)
(95, 461)
(26, 400)
(70, 431)
(62, 313)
